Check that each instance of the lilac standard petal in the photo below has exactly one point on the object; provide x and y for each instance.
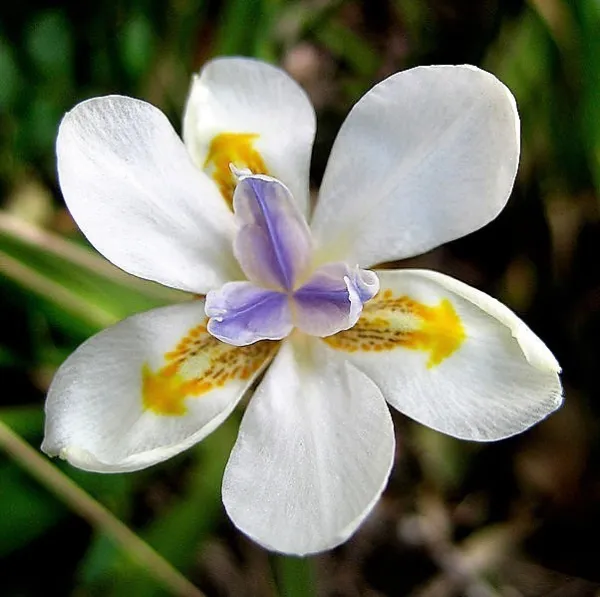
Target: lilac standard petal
(241, 314)
(273, 243)
(333, 298)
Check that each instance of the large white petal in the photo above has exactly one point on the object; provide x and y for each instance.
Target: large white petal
(146, 389)
(314, 452)
(426, 156)
(133, 190)
(452, 357)
(241, 95)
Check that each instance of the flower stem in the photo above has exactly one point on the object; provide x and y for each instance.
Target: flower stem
(295, 576)
(95, 514)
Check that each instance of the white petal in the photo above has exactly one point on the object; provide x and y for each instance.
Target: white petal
(146, 389)
(452, 357)
(129, 183)
(240, 95)
(314, 452)
(427, 156)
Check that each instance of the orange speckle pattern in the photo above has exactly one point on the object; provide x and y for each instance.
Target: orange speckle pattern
(390, 322)
(232, 148)
(198, 364)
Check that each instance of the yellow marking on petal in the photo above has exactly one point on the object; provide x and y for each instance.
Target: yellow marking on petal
(198, 364)
(389, 322)
(237, 149)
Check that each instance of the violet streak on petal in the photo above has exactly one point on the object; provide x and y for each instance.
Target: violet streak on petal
(273, 243)
(241, 313)
(333, 298)
(273, 247)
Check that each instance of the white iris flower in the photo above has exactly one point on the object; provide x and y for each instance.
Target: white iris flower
(425, 157)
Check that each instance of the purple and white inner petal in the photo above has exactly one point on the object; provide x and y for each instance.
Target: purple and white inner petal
(273, 243)
(274, 248)
(333, 298)
(241, 313)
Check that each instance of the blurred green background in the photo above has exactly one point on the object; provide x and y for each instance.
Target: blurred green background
(515, 518)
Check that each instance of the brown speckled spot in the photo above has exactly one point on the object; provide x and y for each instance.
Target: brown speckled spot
(389, 323)
(198, 364)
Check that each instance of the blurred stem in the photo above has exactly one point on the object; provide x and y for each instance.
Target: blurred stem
(95, 514)
(54, 244)
(37, 283)
(71, 252)
(295, 576)
(558, 19)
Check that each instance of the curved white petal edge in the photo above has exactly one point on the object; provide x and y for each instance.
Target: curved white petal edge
(132, 188)
(536, 352)
(314, 452)
(95, 417)
(426, 156)
(499, 381)
(243, 95)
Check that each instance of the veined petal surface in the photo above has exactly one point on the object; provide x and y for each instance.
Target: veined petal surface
(313, 454)
(255, 116)
(242, 313)
(332, 299)
(133, 190)
(426, 156)
(146, 389)
(272, 244)
(452, 357)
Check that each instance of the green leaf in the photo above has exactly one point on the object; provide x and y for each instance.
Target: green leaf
(589, 19)
(347, 45)
(137, 45)
(176, 534)
(239, 28)
(295, 576)
(27, 512)
(9, 75)
(521, 60)
(26, 421)
(7, 358)
(41, 124)
(74, 287)
(49, 43)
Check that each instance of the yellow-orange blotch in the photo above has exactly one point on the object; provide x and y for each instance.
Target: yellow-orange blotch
(389, 322)
(232, 148)
(198, 364)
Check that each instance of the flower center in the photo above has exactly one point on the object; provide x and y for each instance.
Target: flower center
(283, 290)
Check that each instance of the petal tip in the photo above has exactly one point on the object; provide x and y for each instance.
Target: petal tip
(77, 457)
(538, 355)
(47, 449)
